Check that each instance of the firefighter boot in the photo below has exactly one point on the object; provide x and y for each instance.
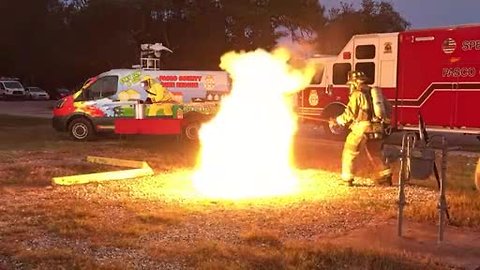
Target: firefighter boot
(346, 180)
(347, 183)
(384, 181)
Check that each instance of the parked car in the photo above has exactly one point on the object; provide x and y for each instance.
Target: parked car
(36, 93)
(61, 93)
(11, 88)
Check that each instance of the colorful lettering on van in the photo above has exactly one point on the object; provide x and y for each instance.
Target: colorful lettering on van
(187, 81)
(131, 78)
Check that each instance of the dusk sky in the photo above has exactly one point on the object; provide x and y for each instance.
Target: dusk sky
(429, 13)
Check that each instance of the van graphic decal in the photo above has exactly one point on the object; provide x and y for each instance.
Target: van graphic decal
(209, 82)
(90, 109)
(130, 94)
(115, 93)
(107, 108)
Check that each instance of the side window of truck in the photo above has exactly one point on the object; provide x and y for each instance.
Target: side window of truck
(340, 73)
(317, 78)
(369, 69)
(2, 87)
(365, 52)
(102, 88)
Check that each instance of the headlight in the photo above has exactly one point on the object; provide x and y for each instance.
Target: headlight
(180, 114)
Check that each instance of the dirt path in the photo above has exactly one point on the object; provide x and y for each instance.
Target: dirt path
(460, 247)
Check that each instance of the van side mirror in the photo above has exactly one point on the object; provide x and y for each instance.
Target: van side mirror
(329, 90)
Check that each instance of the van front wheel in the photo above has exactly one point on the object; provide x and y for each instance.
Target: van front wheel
(81, 129)
(190, 131)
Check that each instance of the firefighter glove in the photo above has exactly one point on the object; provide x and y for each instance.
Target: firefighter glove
(332, 123)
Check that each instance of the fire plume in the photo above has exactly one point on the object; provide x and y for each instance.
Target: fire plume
(247, 149)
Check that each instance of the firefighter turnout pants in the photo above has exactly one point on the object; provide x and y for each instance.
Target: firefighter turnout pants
(357, 141)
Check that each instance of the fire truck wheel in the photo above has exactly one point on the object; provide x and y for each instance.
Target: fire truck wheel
(81, 129)
(190, 131)
(477, 175)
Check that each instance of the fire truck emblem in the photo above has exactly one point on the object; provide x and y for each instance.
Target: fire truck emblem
(209, 82)
(313, 98)
(387, 47)
(449, 45)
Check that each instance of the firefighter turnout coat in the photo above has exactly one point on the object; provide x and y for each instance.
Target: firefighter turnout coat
(358, 115)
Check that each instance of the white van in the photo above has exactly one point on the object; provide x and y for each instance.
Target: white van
(113, 94)
(11, 88)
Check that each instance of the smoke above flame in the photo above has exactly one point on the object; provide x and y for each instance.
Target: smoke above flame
(247, 149)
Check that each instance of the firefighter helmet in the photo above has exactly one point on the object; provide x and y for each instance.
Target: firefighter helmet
(146, 78)
(146, 81)
(356, 77)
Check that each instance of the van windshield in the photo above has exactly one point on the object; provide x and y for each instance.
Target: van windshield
(12, 85)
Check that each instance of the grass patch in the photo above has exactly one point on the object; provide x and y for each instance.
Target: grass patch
(67, 258)
(151, 215)
(261, 238)
(19, 132)
(9, 121)
(38, 170)
(460, 174)
(78, 222)
(104, 223)
(50, 258)
(158, 218)
(219, 255)
(464, 209)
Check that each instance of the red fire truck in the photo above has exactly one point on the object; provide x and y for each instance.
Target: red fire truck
(435, 72)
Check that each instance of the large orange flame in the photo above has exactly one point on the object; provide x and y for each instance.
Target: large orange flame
(247, 149)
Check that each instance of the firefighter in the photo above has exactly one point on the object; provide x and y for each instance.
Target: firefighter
(158, 96)
(365, 132)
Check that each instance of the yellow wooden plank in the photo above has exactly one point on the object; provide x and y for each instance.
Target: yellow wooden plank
(141, 168)
(101, 177)
(115, 162)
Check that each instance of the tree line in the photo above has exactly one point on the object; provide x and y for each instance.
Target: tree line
(60, 43)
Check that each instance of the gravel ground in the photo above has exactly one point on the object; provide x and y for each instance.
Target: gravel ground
(160, 223)
(310, 216)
